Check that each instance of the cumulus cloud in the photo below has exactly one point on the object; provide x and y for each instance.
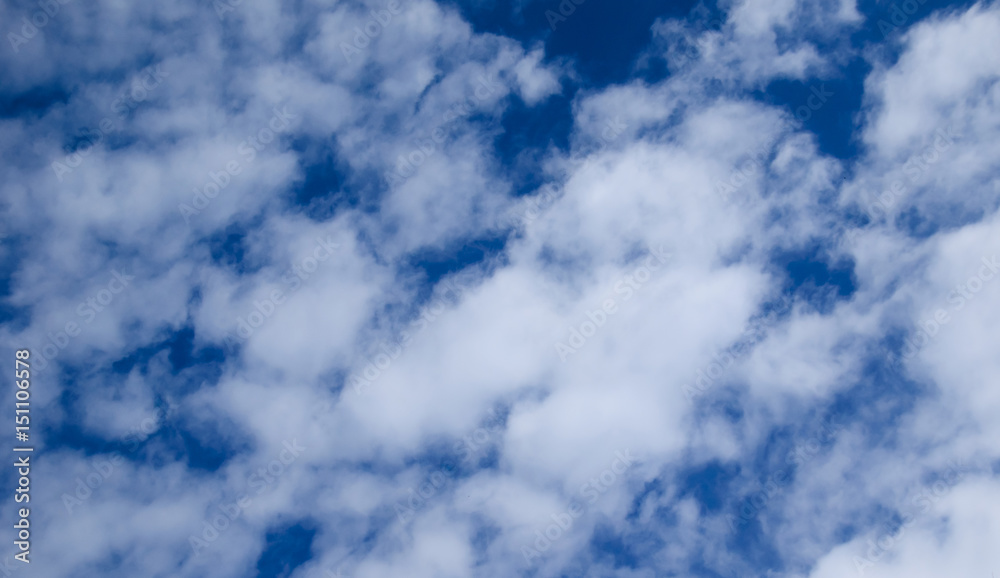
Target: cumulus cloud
(291, 309)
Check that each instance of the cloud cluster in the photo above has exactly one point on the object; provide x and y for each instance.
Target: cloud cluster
(266, 246)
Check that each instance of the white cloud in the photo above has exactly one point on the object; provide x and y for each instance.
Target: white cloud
(641, 178)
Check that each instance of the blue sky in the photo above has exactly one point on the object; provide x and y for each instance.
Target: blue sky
(479, 288)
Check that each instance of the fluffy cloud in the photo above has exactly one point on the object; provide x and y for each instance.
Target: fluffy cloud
(264, 258)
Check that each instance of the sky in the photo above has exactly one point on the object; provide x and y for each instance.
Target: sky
(471, 288)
